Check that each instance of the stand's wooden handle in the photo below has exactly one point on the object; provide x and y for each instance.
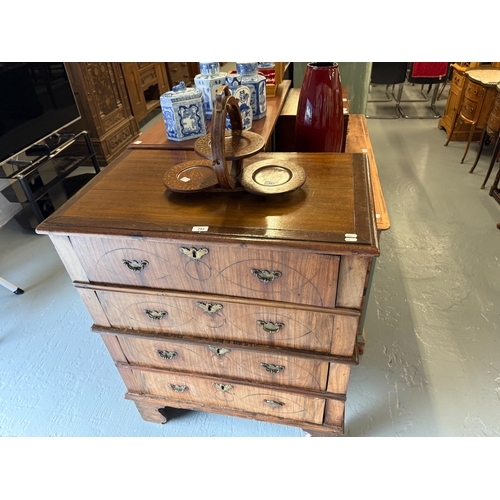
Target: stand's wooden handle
(224, 103)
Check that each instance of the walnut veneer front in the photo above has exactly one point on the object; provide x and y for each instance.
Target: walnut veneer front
(226, 302)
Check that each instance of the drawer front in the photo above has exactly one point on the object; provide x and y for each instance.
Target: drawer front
(458, 79)
(179, 72)
(148, 77)
(219, 361)
(469, 109)
(474, 92)
(293, 328)
(215, 392)
(236, 270)
(494, 118)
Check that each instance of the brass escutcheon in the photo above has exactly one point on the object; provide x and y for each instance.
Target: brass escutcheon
(194, 254)
(219, 351)
(270, 327)
(265, 276)
(273, 404)
(135, 265)
(272, 368)
(166, 354)
(178, 388)
(209, 307)
(156, 315)
(223, 387)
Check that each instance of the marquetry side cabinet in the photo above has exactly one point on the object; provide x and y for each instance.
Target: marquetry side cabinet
(457, 130)
(104, 107)
(226, 302)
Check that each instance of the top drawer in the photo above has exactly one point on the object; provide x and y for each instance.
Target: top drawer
(458, 79)
(226, 269)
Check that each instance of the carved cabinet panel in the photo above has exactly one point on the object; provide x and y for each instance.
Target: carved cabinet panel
(104, 107)
(145, 83)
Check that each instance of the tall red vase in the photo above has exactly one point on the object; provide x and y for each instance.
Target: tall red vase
(319, 124)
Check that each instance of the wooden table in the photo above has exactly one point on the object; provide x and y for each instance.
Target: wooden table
(156, 136)
(357, 141)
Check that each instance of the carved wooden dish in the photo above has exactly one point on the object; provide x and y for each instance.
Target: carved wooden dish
(269, 177)
(239, 145)
(193, 176)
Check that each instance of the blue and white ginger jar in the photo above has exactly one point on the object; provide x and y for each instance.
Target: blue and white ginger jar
(208, 82)
(243, 96)
(183, 113)
(257, 85)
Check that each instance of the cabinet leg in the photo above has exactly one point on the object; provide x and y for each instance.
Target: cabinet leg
(471, 133)
(496, 149)
(321, 434)
(169, 413)
(481, 145)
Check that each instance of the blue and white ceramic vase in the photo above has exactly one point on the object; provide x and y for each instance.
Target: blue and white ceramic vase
(243, 95)
(257, 85)
(183, 113)
(208, 82)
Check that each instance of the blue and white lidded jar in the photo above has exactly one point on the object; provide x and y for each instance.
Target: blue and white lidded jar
(243, 95)
(257, 85)
(183, 113)
(208, 81)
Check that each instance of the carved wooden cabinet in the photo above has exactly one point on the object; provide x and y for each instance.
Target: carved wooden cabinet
(104, 107)
(182, 72)
(226, 302)
(145, 83)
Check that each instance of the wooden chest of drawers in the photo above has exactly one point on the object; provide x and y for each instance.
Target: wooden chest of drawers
(226, 302)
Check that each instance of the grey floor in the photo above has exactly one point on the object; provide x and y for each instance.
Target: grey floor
(431, 366)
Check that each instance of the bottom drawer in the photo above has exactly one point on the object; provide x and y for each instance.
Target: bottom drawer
(215, 392)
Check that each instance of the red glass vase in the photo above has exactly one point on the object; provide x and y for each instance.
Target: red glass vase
(319, 124)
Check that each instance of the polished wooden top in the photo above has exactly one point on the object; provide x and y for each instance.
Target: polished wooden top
(332, 212)
(156, 136)
(358, 141)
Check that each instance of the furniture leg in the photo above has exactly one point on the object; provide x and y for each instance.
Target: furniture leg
(469, 140)
(494, 156)
(452, 129)
(11, 287)
(481, 145)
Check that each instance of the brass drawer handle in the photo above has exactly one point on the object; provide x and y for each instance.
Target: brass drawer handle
(273, 404)
(156, 315)
(209, 307)
(272, 368)
(265, 276)
(270, 327)
(166, 354)
(135, 265)
(223, 387)
(194, 254)
(219, 351)
(178, 388)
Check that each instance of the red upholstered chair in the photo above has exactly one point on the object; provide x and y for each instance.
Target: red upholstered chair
(426, 73)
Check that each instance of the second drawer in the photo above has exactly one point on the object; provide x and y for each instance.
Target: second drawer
(212, 317)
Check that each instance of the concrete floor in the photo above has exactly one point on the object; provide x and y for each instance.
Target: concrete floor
(431, 366)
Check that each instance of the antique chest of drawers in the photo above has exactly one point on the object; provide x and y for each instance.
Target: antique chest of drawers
(226, 302)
